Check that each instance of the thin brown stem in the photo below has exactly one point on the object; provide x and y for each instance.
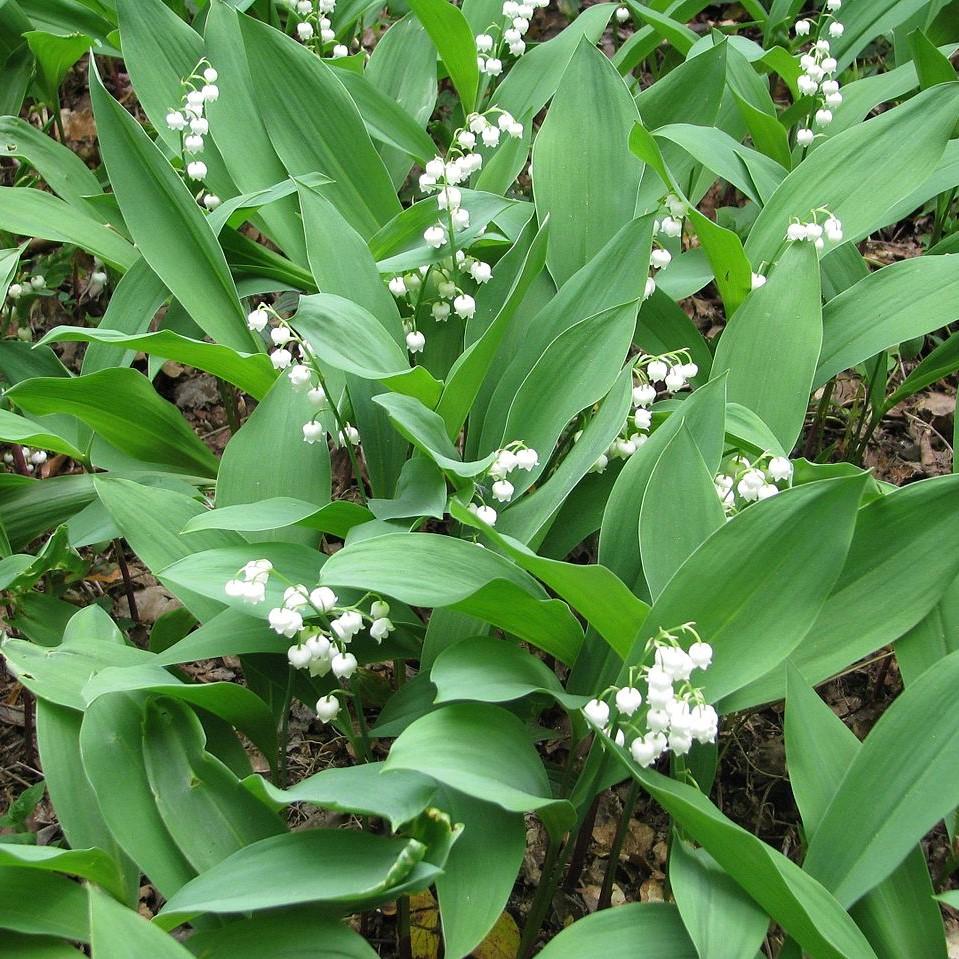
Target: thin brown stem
(127, 580)
(622, 828)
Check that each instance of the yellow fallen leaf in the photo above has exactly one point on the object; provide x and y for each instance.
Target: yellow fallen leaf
(424, 926)
(502, 941)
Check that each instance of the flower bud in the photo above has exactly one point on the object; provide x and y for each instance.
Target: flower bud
(313, 432)
(327, 708)
(597, 712)
(628, 700)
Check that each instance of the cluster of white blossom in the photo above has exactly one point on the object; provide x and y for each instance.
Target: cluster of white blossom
(26, 285)
(815, 232)
(321, 644)
(675, 714)
(294, 356)
(31, 457)
(670, 224)
(189, 121)
(672, 371)
(509, 35)
(514, 456)
(743, 482)
(819, 66)
(315, 27)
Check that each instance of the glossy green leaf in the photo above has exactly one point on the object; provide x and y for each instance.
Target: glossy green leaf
(592, 110)
(680, 510)
(866, 19)
(756, 611)
(722, 921)
(121, 406)
(426, 570)
(894, 574)
(18, 429)
(397, 796)
(55, 55)
(345, 335)
(860, 173)
(278, 512)
(315, 126)
(898, 914)
(897, 787)
(94, 865)
(485, 752)
(42, 903)
(19, 946)
(453, 39)
(116, 930)
(892, 305)
(251, 372)
(33, 213)
(615, 933)
(340, 868)
(166, 223)
(770, 347)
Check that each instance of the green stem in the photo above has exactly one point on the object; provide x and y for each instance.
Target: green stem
(622, 828)
(228, 398)
(364, 737)
(549, 880)
(282, 770)
(404, 928)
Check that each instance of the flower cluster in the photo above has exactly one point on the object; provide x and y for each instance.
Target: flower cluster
(321, 644)
(514, 456)
(819, 66)
(509, 36)
(292, 354)
(26, 285)
(814, 231)
(189, 121)
(672, 371)
(31, 457)
(672, 713)
(315, 27)
(743, 482)
(669, 225)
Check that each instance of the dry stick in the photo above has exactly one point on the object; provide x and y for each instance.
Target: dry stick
(127, 580)
(622, 828)
(583, 839)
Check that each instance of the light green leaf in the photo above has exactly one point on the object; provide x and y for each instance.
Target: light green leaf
(42, 903)
(485, 752)
(18, 429)
(453, 39)
(116, 930)
(93, 865)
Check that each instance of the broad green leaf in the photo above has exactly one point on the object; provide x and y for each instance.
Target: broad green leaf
(679, 512)
(898, 914)
(533, 79)
(770, 347)
(900, 783)
(301, 470)
(150, 520)
(453, 39)
(229, 633)
(121, 406)
(115, 931)
(42, 903)
(486, 670)
(278, 512)
(166, 224)
(480, 872)
(892, 305)
(894, 574)
(932, 638)
(339, 868)
(288, 933)
(403, 66)
(356, 790)
(756, 611)
(315, 126)
(677, 34)
(73, 798)
(595, 592)
(577, 369)
(859, 174)
(427, 432)
(614, 933)
(55, 55)
(722, 921)
(804, 908)
(18, 429)
(93, 865)
(937, 365)
(345, 335)
(585, 129)
(16, 945)
(426, 570)
(485, 752)
(866, 19)
(237, 705)
(206, 810)
(65, 173)
(33, 213)
(111, 748)
(251, 372)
